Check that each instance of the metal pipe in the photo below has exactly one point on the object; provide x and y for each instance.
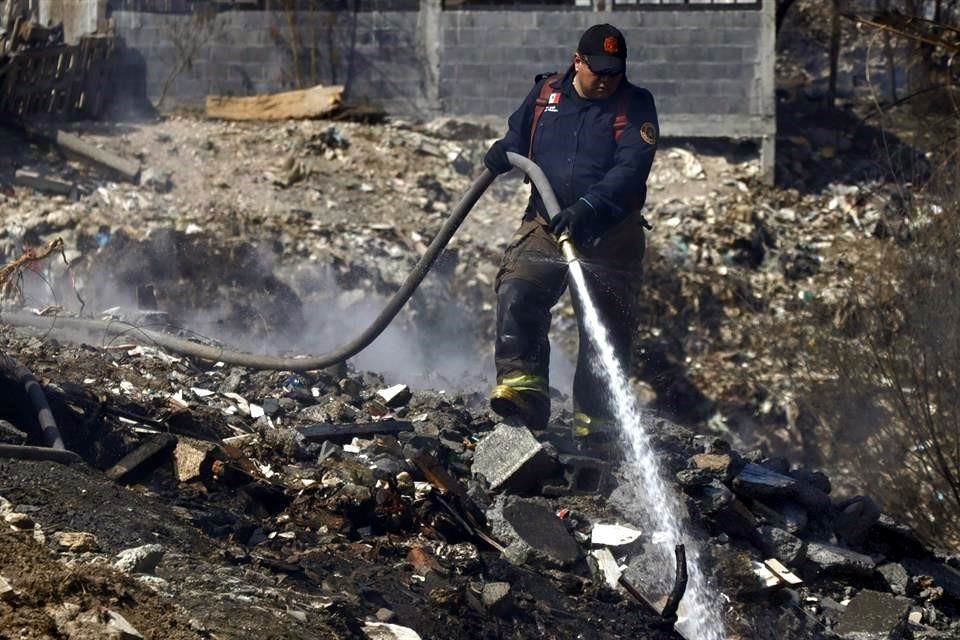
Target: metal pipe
(37, 397)
(310, 362)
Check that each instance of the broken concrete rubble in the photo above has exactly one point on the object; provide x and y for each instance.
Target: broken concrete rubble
(533, 533)
(871, 615)
(511, 457)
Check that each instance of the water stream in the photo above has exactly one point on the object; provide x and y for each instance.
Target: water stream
(699, 615)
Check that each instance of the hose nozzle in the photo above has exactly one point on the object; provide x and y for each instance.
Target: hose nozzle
(567, 247)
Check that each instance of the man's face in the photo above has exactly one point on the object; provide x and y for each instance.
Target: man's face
(593, 85)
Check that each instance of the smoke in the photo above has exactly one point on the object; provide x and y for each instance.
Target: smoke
(246, 300)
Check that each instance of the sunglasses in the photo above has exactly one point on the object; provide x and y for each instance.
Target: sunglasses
(609, 73)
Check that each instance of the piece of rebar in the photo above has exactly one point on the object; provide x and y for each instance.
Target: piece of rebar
(679, 585)
(669, 612)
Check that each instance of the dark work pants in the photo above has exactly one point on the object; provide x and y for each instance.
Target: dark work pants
(533, 276)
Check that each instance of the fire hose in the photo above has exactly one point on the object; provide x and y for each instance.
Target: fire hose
(310, 362)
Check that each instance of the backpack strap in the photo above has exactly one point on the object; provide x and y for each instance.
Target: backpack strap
(620, 120)
(545, 90)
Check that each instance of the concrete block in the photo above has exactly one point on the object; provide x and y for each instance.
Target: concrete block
(582, 475)
(872, 615)
(840, 561)
(534, 535)
(511, 458)
(142, 559)
(781, 544)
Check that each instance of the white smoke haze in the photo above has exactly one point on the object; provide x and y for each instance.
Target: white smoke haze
(435, 342)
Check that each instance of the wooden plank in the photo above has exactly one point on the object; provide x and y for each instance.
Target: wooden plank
(47, 184)
(303, 103)
(136, 458)
(129, 169)
(781, 572)
(346, 432)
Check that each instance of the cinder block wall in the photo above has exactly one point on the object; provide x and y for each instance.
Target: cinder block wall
(696, 62)
(376, 54)
(709, 67)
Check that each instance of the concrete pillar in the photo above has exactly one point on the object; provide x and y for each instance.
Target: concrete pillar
(768, 98)
(428, 50)
(79, 17)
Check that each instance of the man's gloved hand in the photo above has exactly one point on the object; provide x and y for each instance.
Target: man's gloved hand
(496, 158)
(575, 219)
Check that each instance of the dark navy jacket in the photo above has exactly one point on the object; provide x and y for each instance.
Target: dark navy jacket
(575, 147)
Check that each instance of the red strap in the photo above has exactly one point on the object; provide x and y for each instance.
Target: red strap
(545, 90)
(620, 121)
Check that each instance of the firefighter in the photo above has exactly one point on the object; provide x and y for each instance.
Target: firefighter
(594, 134)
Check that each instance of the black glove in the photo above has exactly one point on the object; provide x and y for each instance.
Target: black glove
(576, 220)
(496, 158)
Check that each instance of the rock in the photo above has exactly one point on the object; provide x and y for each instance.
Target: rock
(119, 628)
(329, 450)
(755, 481)
(780, 544)
(7, 594)
(423, 561)
(387, 631)
(158, 181)
(947, 578)
(510, 458)
(9, 434)
(191, 458)
(384, 615)
(76, 541)
(840, 561)
(817, 479)
(872, 615)
(395, 396)
(736, 520)
(18, 520)
(462, 557)
(854, 518)
(532, 532)
(794, 517)
(896, 576)
(463, 129)
(497, 598)
(143, 559)
(812, 498)
(714, 497)
(716, 464)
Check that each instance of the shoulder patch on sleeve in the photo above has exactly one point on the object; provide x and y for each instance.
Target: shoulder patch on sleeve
(649, 133)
